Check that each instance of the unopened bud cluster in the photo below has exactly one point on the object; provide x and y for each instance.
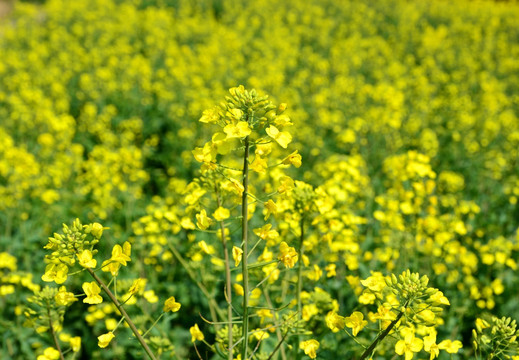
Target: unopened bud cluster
(304, 197)
(44, 310)
(74, 240)
(497, 338)
(411, 289)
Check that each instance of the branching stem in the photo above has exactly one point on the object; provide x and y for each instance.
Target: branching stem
(124, 313)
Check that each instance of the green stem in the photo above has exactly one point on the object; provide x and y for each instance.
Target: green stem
(381, 337)
(299, 283)
(53, 334)
(280, 337)
(213, 307)
(124, 313)
(153, 325)
(228, 280)
(245, 270)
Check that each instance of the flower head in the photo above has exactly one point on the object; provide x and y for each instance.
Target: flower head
(221, 214)
(451, 347)
(334, 321)
(240, 129)
(237, 255)
(86, 260)
(408, 346)
(171, 305)
(283, 138)
(310, 347)
(356, 322)
(63, 297)
(196, 334)
(287, 255)
(92, 291)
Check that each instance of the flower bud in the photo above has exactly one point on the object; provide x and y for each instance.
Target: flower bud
(281, 108)
(97, 230)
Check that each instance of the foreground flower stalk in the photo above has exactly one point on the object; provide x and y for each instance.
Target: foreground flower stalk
(369, 351)
(124, 314)
(245, 270)
(53, 334)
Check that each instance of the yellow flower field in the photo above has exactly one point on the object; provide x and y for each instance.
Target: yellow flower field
(190, 179)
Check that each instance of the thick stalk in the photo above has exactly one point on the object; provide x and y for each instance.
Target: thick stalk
(381, 337)
(124, 313)
(244, 231)
(228, 280)
(53, 334)
(299, 283)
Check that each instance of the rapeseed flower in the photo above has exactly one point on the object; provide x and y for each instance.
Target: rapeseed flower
(92, 291)
(171, 305)
(196, 334)
(105, 339)
(237, 255)
(287, 255)
(408, 346)
(356, 322)
(310, 347)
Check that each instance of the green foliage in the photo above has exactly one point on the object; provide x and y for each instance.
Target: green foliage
(405, 138)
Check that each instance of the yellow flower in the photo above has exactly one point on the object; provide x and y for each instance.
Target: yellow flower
(236, 187)
(86, 260)
(238, 289)
(287, 255)
(315, 274)
(196, 334)
(138, 285)
(55, 272)
(63, 297)
(439, 299)
(221, 214)
(260, 334)
(171, 305)
(283, 138)
(239, 130)
(408, 346)
(310, 347)
(92, 292)
(105, 339)
(75, 343)
(202, 221)
(271, 208)
(237, 255)
(119, 255)
(259, 165)
(97, 230)
(49, 354)
(207, 249)
(210, 116)
(150, 296)
(356, 322)
(265, 233)
(429, 344)
(287, 184)
(334, 321)
(206, 154)
(375, 283)
(110, 266)
(331, 270)
(451, 347)
(7, 261)
(294, 159)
